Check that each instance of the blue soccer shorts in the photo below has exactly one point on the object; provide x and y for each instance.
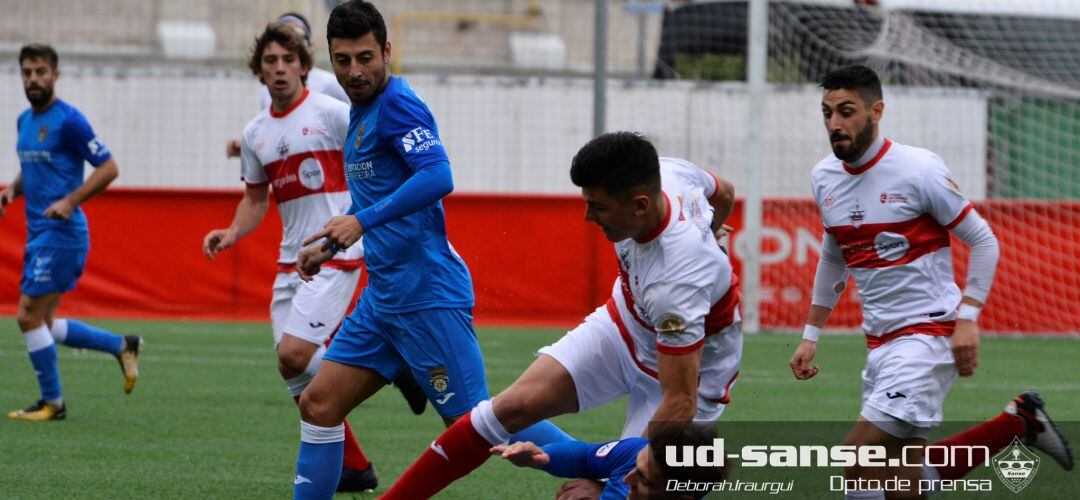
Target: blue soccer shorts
(47, 270)
(438, 346)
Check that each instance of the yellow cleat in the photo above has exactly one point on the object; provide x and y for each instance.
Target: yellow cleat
(129, 361)
(40, 412)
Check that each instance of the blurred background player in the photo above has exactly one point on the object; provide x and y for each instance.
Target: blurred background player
(415, 315)
(318, 80)
(888, 210)
(633, 468)
(54, 141)
(295, 144)
(669, 337)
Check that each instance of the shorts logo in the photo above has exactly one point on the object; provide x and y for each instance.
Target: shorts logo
(96, 147)
(894, 395)
(670, 324)
(311, 174)
(41, 272)
(1016, 466)
(438, 379)
(419, 139)
(42, 132)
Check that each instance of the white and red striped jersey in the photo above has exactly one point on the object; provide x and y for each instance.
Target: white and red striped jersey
(676, 291)
(299, 153)
(891, 219)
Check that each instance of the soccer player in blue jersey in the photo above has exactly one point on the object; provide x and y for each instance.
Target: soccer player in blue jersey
(633, 468)
(416, 312)
(54, 141)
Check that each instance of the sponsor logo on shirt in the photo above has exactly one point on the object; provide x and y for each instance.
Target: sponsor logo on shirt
(311, 174)
(419, 139)
(894, 198)
(283, 180)
(33, 156)
(313, 131)
(96, 147)
(358, 171)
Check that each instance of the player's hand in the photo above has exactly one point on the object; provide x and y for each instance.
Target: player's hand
(310, 262)
(7, 195)
(60, 210)
(800, 361)
(522, 454)
(232, 149)
(580, 489)
(721, 234)
(218, 241)
(341, 232)
(965, 346)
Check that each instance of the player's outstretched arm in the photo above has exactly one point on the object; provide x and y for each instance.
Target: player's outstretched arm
(804, 354)
(249, 213)
(982, 265)
(722, 201)
(522, 454)
(101, 177)
(8, 194)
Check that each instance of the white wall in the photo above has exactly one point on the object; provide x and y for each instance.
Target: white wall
(167, 128)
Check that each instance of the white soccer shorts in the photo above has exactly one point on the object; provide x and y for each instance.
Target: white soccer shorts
(602, 369)
(311, 310)
(908, 378)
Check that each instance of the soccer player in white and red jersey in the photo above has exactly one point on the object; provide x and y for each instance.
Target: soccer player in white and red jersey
(296, 146)
(670, 336)
(888, 210)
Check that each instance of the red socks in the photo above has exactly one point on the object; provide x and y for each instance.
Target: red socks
(457, 452)
(354, 457)
(995, 434)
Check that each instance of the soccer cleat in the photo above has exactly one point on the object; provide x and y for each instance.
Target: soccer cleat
(358, 480)
(1040, 431)
(40, 412)
(412, 392)
(129, 361)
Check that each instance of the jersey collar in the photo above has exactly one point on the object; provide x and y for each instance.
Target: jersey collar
(295, 105)
(873, 161)
(659, 227)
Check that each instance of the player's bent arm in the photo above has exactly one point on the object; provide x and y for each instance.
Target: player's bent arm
(426, 186)
(722, 201)
(678, 375)
(251, 209)
(99, 179)
(830, 280)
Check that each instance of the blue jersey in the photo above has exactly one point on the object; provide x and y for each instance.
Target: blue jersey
(52, 146)
(611, 461)
(411, 264)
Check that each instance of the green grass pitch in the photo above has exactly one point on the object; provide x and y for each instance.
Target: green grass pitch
(211, 418)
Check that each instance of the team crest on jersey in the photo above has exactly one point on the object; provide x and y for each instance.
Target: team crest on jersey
(438, 379)
(42, 132)
(670, 324)
(857, 215)
(283, 147)
(952, 185)
(359, 136)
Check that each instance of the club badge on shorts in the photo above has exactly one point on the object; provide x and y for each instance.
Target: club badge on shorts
(438, 379)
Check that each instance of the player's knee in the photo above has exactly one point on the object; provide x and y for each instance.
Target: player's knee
(28, 320)
(317, 410)
(292, 362)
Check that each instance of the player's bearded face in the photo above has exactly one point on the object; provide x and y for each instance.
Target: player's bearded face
(38, 81)
(361, 65)
(850, 149)
(849, 122)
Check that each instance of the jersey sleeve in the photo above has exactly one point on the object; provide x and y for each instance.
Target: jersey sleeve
(337, 117)
(80, 137)
(251, 169)
(407, 125)
(941, 197)
(577, 459)
(678, 311)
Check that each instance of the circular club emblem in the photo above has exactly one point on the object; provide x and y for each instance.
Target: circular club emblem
(891, 246)
(311, 174)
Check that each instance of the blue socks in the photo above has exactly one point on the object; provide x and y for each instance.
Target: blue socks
(42, 349)
(73, 333)
(542, 433)
(318, 468)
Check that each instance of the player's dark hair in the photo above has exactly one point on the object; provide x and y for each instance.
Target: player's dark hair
(679, 434)
(354, 19)
(621, 163)
(858, 78)
(285, 36)
(288, 16)
(39, 51)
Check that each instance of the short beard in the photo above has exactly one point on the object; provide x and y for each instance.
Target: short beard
(46, 96)
(859, 144)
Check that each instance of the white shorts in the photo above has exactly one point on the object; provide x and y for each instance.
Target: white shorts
(907, 379)
(600, 363)
(312, 310)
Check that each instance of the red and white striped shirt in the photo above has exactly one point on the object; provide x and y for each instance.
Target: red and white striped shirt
(891, 219)
(299, 153)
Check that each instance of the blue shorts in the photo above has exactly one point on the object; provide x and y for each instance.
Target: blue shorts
(47, 270)
(438, 346)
